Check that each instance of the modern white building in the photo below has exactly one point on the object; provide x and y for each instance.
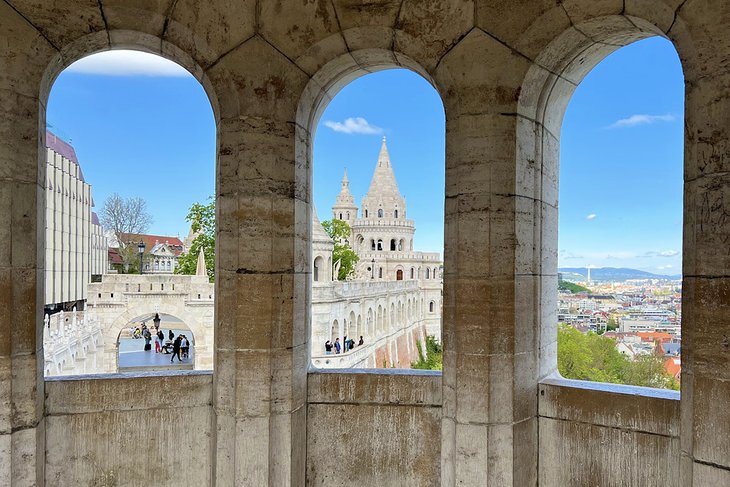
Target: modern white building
(76, 248)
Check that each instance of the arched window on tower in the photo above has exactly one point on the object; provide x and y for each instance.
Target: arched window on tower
(430, 307)
(413, 273)
(399, 275)
(380, 273)
(380, 213)
(392, 245)
(348, 215)
(395, 214)
(428, 273)
(380, 244)
(340, 216)
(372, 244)
(366, 213)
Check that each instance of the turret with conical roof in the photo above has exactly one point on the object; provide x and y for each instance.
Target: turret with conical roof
(383, 199)
(383, 233)
(345, 208)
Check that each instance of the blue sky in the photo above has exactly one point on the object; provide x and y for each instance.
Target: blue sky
(150, 133)
(142, 126)
(405, 108)
(621, 163)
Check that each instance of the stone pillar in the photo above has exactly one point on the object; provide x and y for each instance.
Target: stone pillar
(489, 426)
(705, 393)
(23, 58)
(263, 279)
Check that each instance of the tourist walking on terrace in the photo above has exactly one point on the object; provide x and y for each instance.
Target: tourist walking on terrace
(176, 349)
(147, 339)
(171, 335)
(338, 347)
(158, 342)
(185, 347)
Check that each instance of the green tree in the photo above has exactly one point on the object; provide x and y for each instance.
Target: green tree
(202, 223)
(595, 358)
(339, 231)
(572, 287)
(611, 325)
(434, 359)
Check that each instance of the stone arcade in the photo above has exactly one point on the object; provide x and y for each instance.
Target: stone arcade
(498, 415)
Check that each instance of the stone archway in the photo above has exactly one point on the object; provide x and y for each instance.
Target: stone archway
(200, 325)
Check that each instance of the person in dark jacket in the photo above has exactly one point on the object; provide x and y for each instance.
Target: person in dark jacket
(176, 349)
(171, 335)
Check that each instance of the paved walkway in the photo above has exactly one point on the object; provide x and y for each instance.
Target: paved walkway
(133, 356)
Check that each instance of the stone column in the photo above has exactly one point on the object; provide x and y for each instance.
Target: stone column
(705, 426)
(489, 426)
(263, 281)
(23, 58)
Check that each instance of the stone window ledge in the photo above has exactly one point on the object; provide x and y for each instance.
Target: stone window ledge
(387, 387)
(644, 409)
(128, 391)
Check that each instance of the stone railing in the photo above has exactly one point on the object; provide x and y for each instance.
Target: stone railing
(384, 222)
(70, 343)
(357, 357)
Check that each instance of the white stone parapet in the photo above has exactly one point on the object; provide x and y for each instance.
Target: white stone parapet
(384, 222)
(71, 342)
(434, 257)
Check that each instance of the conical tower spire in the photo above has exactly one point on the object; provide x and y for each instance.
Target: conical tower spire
(345, 207)
(384, 157)
(201, 269)
(383, 183)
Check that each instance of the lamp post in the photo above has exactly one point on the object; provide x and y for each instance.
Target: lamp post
(372, 270)
(140, 249)
(156, 321)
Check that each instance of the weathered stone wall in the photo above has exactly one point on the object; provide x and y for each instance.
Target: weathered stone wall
(355, 427)
(135, 430)
(608, 435)
(505, 71)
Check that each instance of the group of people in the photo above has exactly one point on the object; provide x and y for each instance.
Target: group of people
(178, 346)
(349, 344)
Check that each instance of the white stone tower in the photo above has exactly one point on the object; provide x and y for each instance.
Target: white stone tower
(383, 236)
(345, 208)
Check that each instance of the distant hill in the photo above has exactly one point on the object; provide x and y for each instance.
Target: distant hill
(610, 274)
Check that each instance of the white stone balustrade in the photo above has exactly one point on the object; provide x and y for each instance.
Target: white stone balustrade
(70, 343)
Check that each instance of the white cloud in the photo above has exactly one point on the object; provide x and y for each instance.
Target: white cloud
(127, 63)
(669, 253)
(592, 216)
(641, 119)
(356, 125)
(664, 267)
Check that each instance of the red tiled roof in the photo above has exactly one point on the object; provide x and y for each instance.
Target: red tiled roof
(114, 256)
(650, 336)
(151, 240)
(673, 366)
